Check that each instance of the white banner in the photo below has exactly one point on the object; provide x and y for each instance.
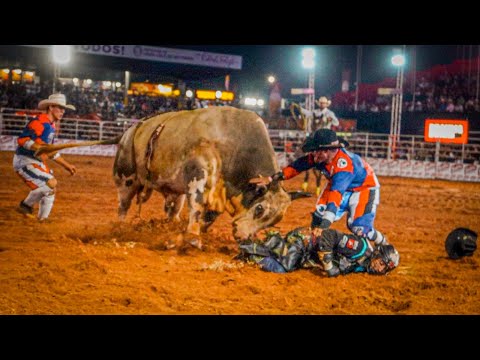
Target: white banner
(153, 53)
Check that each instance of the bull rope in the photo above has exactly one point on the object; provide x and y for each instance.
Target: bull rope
(149, 155)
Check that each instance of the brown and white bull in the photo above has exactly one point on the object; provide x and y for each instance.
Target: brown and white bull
(206, 156)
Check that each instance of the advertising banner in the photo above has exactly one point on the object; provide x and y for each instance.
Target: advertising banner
(446, 131)
(162, 54)
(153, 53)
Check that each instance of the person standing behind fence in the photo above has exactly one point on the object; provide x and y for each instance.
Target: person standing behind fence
(323, 118)
(33, 170)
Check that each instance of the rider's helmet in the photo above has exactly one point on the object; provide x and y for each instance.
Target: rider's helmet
(388, 255)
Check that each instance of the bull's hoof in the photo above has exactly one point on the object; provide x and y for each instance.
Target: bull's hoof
(196, 243)
(184, 242)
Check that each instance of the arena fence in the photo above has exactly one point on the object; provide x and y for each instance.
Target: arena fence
(413, 156)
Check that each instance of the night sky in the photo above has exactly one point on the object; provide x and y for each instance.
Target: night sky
(284, 62)
(259, 61)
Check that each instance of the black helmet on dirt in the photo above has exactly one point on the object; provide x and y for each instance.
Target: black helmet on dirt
(461, 242)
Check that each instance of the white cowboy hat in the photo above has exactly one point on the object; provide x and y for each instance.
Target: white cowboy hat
(323, 99)
(57, 100)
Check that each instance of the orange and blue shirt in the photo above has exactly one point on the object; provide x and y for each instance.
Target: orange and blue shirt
(40, 130)
(347, 172)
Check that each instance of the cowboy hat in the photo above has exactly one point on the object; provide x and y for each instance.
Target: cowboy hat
(323, 99)
(323, 139)
(55, 100)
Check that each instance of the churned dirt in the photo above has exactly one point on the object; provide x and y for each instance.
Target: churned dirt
(86, 262)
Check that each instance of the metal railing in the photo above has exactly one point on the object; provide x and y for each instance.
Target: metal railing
(12, 122)
(372, 145)
(368, 145)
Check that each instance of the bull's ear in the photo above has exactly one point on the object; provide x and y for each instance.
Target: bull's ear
(294, 195)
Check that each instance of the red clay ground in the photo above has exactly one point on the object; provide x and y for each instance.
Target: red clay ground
(86, 262)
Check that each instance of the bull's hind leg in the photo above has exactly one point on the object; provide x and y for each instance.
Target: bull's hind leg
(127, 189)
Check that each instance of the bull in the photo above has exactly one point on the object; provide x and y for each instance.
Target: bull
(205, 157)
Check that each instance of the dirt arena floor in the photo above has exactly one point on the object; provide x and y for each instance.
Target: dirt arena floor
(86, 262)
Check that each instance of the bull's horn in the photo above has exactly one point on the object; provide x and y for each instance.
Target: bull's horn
(294, 195)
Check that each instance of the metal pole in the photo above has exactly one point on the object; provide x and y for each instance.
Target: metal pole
(366, 146)
(400, 103)
(393, 124)
(469, 65)
(437, 151)
(127, 85)
(414, 67)
(478, 72)
(412, 153)
(358, 74)
(310, 100)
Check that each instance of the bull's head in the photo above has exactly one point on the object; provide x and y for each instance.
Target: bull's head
(260, 206)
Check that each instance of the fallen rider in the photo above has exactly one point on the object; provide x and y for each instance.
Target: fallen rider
(334, 251)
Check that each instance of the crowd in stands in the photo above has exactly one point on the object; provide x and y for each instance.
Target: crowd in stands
(91, 103)
(440, 89)
(444, 93)
(449, 93)
(94, 103)
(443, 88)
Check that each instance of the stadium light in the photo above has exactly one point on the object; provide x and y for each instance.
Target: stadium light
(398, 60)
(308, 58)
(62, 54)
(271, 79)
(308, 62)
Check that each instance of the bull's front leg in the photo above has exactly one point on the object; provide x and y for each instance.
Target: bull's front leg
(173, 206)
(201, 176)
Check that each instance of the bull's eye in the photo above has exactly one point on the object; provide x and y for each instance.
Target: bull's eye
(259, 210)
